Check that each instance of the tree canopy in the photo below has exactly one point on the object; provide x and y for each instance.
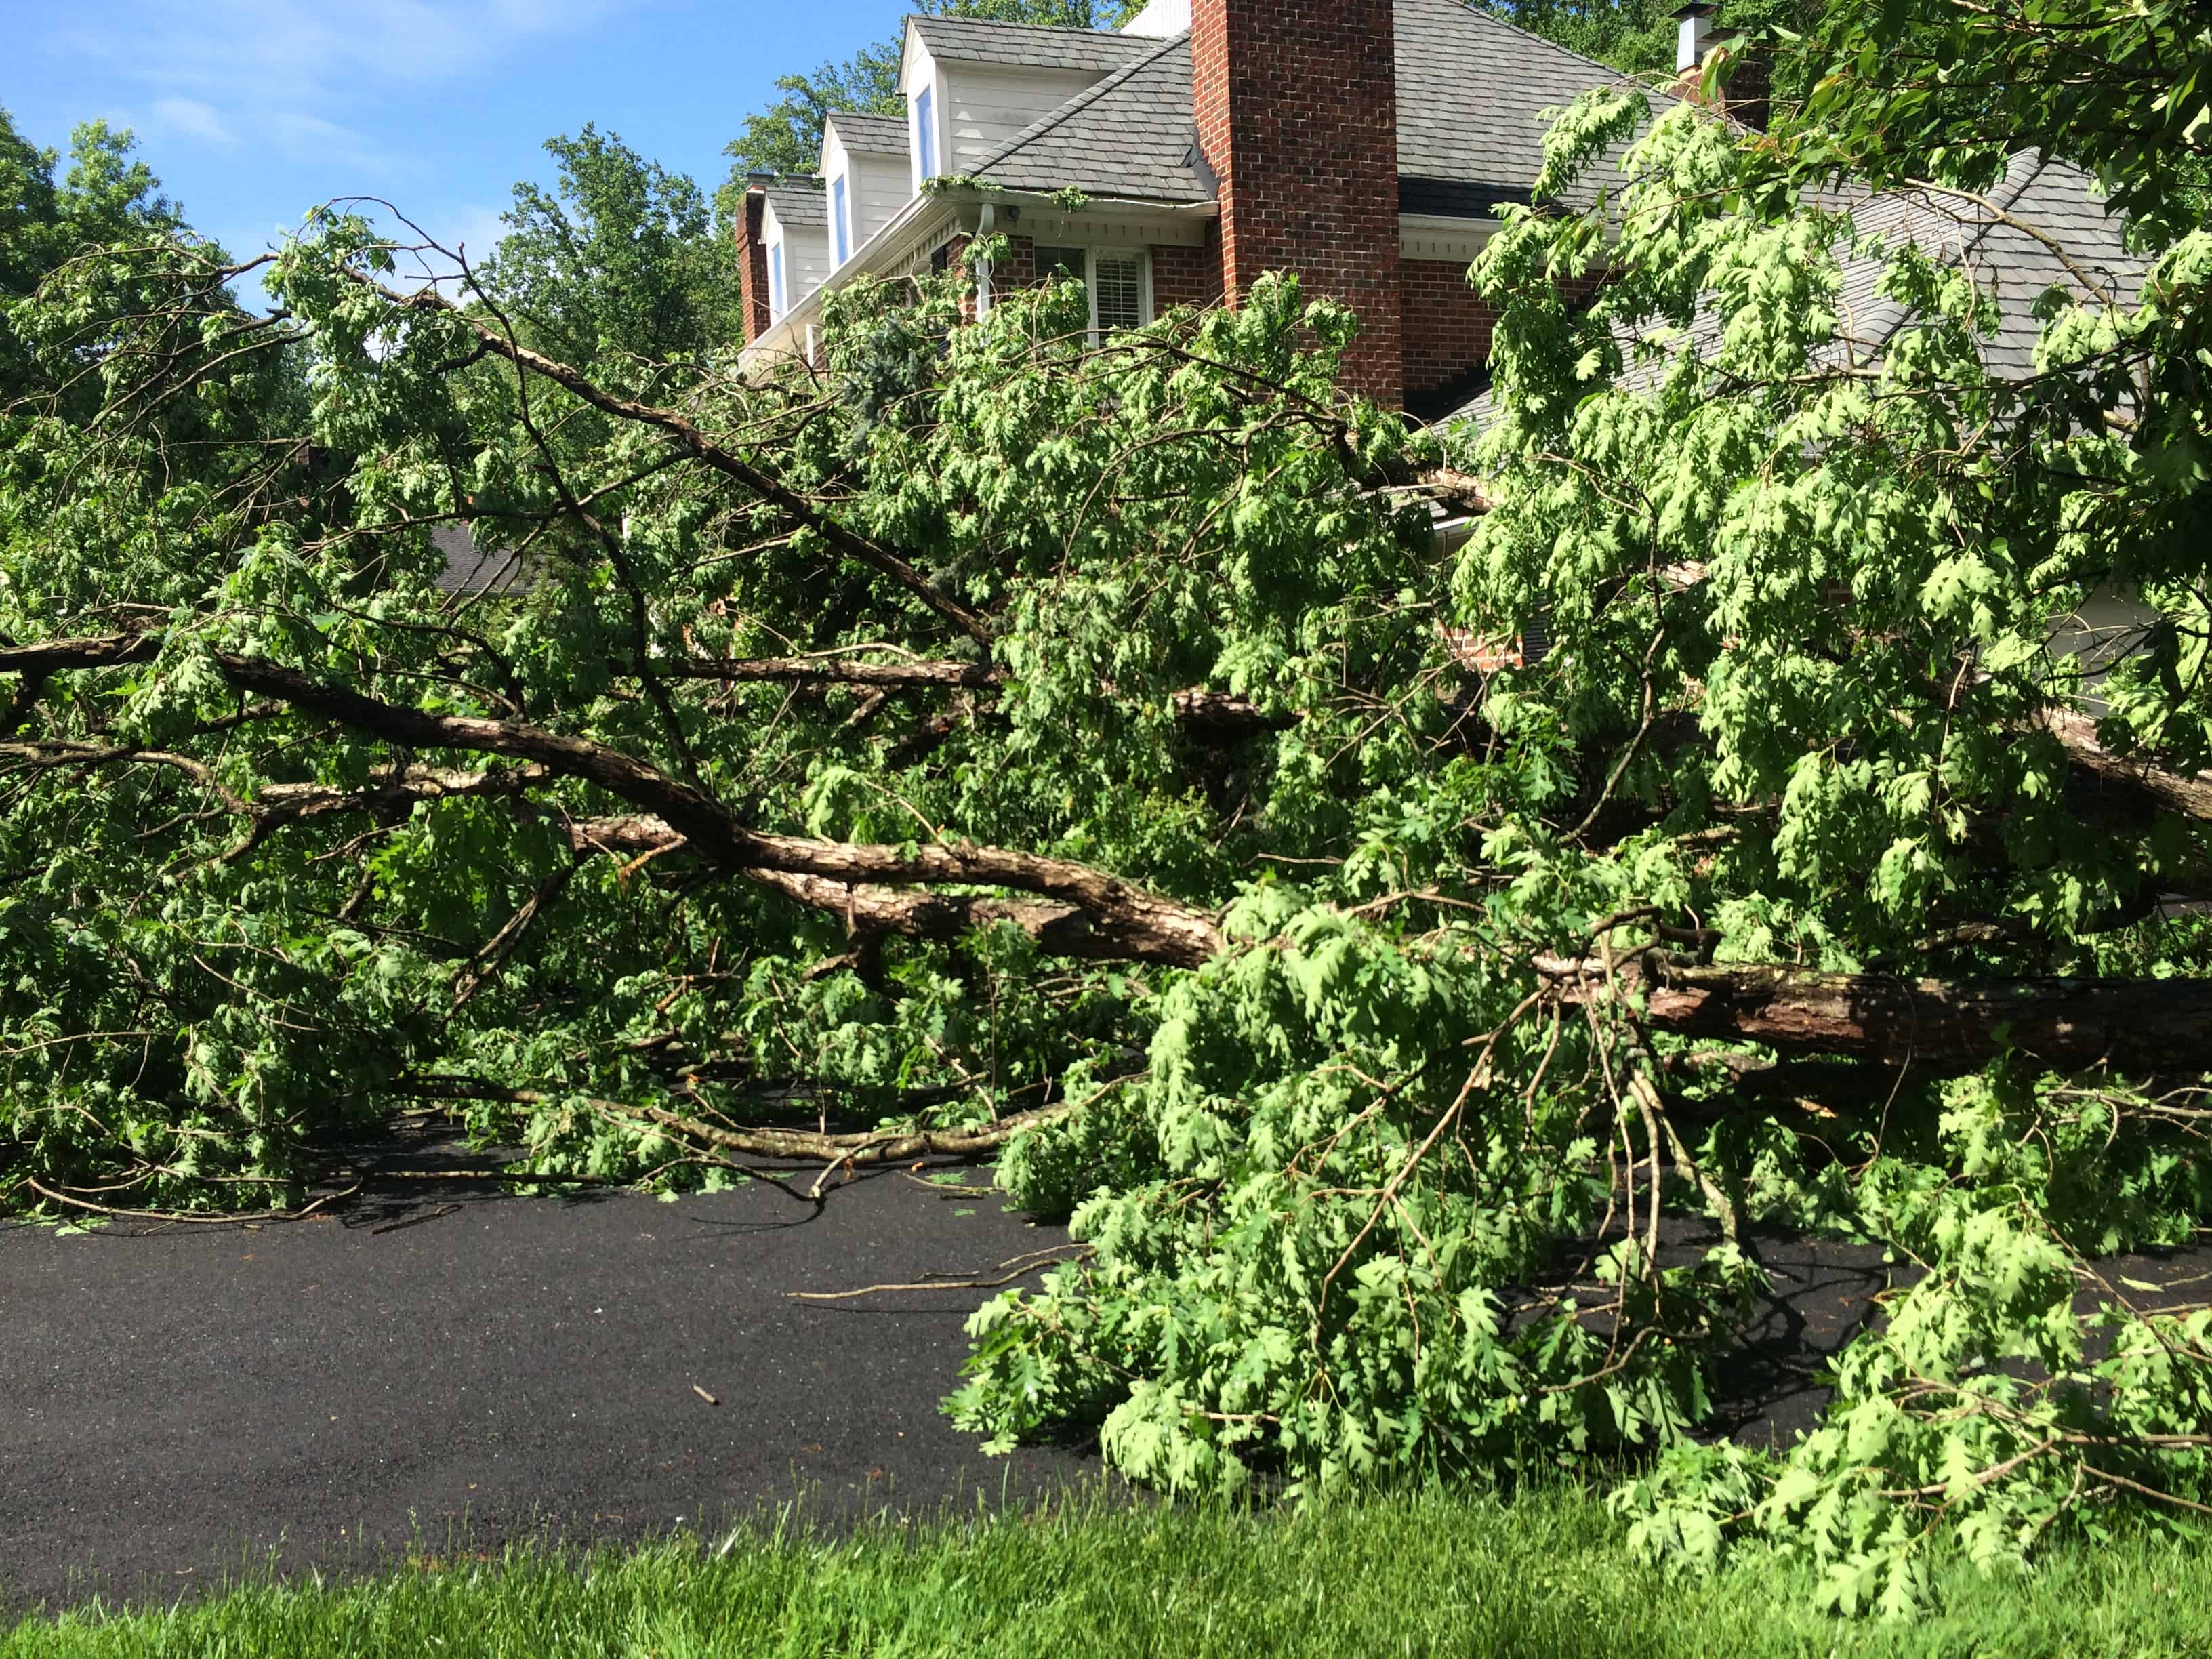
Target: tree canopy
(1119, 756)
(621, 257)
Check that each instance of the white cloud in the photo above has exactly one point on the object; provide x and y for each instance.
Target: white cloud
(193, 119)
(287, 72)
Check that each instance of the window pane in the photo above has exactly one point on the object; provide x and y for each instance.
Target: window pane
(837, 216)
(1119, 292)
(776, 279)
(925, 135)
(1060, 263)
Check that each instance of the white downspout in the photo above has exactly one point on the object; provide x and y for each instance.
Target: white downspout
(983, 265)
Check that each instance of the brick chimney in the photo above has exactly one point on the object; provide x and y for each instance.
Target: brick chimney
(1297, 108)
(1743, 79)
(752, 262)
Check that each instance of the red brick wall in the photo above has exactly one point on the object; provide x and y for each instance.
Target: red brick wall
(1181, 276)
(752, 268)
(1019, 268)
(1446, 328)
(1297, 108)
(1186, 277)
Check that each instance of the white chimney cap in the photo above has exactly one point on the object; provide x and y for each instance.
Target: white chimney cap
(1161, 19)
(1695, 36)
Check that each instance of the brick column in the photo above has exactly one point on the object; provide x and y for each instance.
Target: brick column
(752, 266)
(1296, 103)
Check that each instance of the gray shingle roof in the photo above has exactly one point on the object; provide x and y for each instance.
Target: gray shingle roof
(1030, 45)
(876, 135)
(1472, 90)
(1995, 242)
(1129, 135)
(2048, 195)
(473, 567)
(799, 201)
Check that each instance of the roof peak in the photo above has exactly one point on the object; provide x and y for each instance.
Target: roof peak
(937, 21)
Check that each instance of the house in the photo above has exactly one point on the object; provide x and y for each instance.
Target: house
(1365, 144)
(1362, 143)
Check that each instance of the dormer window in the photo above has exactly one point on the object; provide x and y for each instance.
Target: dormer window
(925, 132)
(776, 305)
(840, 225)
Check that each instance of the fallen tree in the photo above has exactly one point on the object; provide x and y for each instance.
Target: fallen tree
(2134, 1027)
(1081, 755)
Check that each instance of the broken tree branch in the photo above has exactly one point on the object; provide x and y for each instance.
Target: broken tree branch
(687, 436)
(2140, 1026)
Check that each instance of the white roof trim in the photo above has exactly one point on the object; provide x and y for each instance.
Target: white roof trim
(1437, 236)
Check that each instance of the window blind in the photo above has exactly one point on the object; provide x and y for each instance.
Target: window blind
(1117, 292)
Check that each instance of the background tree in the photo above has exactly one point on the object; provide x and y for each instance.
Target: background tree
(620, 258)
(105, 200)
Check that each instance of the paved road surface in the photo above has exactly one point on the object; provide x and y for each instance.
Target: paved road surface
(435, 1359)
(179, 1401)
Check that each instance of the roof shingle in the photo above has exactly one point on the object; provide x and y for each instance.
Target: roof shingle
(1471, 92)
(1027, 45)
(873, 135)
(1129, 135)
(799, 201)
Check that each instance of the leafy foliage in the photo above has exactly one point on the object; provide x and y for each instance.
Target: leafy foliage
(1639, 36)
(1008, 739)
(620, 257)
(105, 200)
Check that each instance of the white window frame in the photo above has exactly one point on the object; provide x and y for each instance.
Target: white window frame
(840, 216)
(776, 288)
(1144, 258)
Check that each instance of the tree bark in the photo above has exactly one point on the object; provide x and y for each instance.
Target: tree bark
(830, 671)
(2154, 786)
(1109, 920)
(2136, 1026)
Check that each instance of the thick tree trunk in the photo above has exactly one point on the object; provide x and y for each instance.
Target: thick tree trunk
(2135, 781)
(2135, 1026)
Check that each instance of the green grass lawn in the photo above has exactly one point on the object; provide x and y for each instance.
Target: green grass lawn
(1434, 1574)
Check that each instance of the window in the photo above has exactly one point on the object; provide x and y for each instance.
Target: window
(838, 219)
(925, 133)
(1120, 284)
(1060, 263)
(776, 305)
(1117, 291)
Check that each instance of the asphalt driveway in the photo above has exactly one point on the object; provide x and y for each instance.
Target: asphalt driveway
(183, 1401)
(435, 1366)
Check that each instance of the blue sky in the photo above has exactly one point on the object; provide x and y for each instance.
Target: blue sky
(252, 110)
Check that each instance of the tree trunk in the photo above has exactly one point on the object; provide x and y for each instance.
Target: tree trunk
(2135, 1026)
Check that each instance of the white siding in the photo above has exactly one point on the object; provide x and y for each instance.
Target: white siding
(918, 70)
(877, 187)
(882, 186)
(1160, 19)
(837, 162)
(987, 104)
(806, 256)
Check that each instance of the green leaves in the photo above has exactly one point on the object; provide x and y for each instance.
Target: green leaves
(1366, 1195)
